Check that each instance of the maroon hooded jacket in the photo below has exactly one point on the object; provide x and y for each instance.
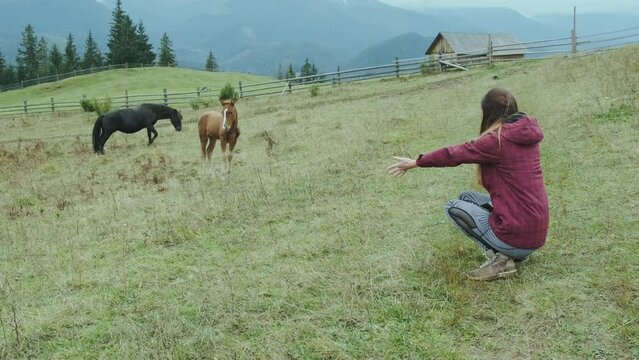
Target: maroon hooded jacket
(512, 175)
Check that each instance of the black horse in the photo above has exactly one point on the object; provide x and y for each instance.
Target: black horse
(133, 120)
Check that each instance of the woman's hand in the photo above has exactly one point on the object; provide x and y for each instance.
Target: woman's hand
(402, 166)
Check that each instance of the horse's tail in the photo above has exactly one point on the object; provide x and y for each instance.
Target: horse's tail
(97, 132)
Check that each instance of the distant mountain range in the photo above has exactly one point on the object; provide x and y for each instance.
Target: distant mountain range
(405, 46)
(258, 36)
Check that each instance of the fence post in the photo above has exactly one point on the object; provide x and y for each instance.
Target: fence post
(241, 92)
(198, 91)
(166, 98)
(52, 105)
(25, 106)
(290, 87)
(126, 99)
(490, 50)
(396, 67)
(339, 75)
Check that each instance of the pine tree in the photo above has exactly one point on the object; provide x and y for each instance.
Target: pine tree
(143, 48)
(43, 57)
(290, 74)
(211, 64)
(7, 74)
(27, 59)
(92, 55)
(3, 66)
(114, 42)
(122, 42)
(129, 42)
(71, 58)
(55, 60)
(280, 72)
(167, 56)
(308, 70)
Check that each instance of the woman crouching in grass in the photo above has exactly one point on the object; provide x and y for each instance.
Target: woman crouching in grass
(511, 221)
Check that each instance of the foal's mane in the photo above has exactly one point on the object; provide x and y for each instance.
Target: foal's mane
(161, 111)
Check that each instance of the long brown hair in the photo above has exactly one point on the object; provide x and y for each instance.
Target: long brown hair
(496, 106)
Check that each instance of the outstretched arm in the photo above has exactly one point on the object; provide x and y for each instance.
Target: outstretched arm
(484, 150)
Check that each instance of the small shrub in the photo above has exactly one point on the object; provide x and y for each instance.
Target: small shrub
(620, 112)
(314, 90)
(228, 93)
(87, 105)
(200, 102)
(95, 105)
(177, 234)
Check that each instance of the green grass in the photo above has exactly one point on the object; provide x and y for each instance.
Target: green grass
(136, 80)
(309, 250)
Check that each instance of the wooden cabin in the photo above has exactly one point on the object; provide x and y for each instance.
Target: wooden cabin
(505, 46)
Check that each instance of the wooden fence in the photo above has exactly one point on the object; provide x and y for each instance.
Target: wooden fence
(57, 77)
(276, 87)
(487, 55)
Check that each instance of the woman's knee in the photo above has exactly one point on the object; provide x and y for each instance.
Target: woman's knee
(465, 195)
(462, 218)
(451, 204)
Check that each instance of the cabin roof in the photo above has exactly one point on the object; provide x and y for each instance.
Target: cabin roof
(477, 43)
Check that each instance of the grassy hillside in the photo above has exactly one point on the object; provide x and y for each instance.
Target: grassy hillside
(310, 250)
(136, 81)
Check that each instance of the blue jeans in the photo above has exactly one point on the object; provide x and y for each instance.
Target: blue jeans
(470, 214)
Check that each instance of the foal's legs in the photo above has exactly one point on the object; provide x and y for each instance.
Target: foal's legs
(225, 155)
(229, 155)
(206, 153)
(203, 141)
(210, 148)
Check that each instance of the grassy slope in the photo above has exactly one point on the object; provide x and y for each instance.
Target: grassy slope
(310, 250)
(136, 81)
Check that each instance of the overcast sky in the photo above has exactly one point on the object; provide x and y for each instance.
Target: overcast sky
(525, 7)
(529, 7)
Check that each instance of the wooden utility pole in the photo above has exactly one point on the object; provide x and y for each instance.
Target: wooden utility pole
(574, 30)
